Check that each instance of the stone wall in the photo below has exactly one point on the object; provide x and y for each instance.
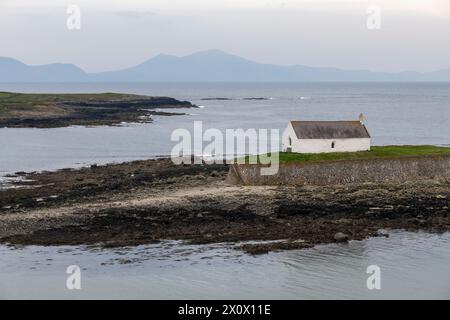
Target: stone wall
(345, 171)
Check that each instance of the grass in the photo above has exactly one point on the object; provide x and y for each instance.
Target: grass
(3, 109)
(376, 152)
(37, 98)
(10, 101)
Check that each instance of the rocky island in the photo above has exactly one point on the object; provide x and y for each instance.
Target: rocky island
(148, 201)
(24, 110)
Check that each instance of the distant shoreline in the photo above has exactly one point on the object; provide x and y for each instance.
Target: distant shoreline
(20, 110)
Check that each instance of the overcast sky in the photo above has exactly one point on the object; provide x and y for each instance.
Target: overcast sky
(414, 34)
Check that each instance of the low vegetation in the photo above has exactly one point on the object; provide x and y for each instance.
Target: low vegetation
(35, 110)
(38, 98)
(375, 152)
(2, 109)
(16, 102)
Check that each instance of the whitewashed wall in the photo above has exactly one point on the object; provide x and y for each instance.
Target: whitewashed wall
(322, 145)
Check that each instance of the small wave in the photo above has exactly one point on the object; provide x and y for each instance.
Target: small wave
(218, 98)
(229, 99)
(8, 181)
(256, 98)
(305, 98)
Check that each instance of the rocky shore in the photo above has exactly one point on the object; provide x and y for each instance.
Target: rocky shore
(19, 110)
(146, 201)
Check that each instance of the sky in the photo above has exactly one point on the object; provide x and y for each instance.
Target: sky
(113, 34)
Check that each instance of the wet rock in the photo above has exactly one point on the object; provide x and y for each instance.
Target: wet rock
(341, 237)
(263, 248)
(419, 222)
(382, 233)
(215, 174)
(171, 180)
(422, 222)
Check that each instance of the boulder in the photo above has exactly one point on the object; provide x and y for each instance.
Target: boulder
(341, 237)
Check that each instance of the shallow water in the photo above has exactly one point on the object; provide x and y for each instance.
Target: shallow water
(413, 266)
(396, 114)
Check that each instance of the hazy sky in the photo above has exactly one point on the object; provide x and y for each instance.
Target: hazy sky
(414, 34)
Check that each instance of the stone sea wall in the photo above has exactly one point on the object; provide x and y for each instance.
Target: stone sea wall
(345, 171)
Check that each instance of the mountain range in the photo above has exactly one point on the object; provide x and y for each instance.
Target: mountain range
(204, 66)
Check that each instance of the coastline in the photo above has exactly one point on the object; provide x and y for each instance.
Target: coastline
(24, 110)
(147, 201)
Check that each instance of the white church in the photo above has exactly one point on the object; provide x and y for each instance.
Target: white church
(325, 136)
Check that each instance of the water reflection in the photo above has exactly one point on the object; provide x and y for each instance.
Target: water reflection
(413, 265)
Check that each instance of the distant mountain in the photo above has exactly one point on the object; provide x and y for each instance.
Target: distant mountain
(12, 70)
(205, 66)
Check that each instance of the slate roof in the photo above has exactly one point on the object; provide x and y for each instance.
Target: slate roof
(329, 129)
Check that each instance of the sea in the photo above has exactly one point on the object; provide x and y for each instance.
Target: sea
(410, 265)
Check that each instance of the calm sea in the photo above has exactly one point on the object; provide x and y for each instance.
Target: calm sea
(413, 265)
(396, 114)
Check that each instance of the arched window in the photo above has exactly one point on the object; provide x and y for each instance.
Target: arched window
(290, 141)
(333, 144)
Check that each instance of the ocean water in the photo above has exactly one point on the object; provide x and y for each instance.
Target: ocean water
(396, 114)
(413, 265)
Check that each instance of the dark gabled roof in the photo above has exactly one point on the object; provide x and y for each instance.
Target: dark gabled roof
(329, 129)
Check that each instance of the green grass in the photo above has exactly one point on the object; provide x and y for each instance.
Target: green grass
(376, 152)
(37, 98)
(10, 101)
